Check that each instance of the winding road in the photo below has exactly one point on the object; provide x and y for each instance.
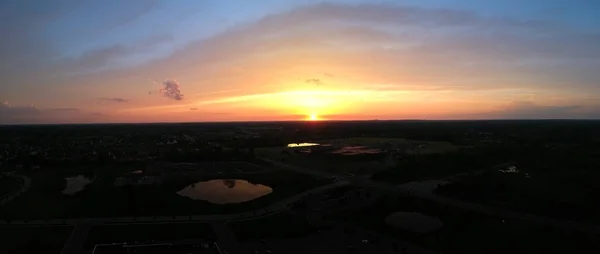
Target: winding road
(26, 184)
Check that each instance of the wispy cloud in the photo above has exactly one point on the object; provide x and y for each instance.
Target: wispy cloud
(29, 114)
(531, 110)
(8, 111)
(65, 109)
(114, 99)
(374, 95)
(315, 81)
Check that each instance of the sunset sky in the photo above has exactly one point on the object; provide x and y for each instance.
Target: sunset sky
(79, 61)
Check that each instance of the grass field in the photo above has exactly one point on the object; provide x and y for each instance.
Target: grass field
(102, 199)
(569, 195)
(278, 226)
(427, 146)
(108, 234)
(467, 232)
(44, 200)
(8, 184)
(360, 165)
(25, 240)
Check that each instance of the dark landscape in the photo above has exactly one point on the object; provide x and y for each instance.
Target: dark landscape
(494, 186)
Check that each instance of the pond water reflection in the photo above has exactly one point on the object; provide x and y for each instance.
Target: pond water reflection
(225, 191)
(76, 184)
(302, 144)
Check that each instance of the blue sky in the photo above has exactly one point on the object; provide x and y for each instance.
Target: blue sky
(92, 25)
(74, 53)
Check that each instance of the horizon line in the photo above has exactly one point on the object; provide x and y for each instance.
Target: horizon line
(308, 121)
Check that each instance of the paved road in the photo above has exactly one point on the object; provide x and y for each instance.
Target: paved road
(24, 188)
(568, 225)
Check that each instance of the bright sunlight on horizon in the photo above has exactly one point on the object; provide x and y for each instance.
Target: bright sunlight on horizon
(313, 117)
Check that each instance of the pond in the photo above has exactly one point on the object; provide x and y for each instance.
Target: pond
(225, 191)
(302, 144)
(76, 184)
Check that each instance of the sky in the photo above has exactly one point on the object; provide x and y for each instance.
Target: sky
(88, 61)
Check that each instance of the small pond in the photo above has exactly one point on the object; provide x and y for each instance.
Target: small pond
(302, 144)
(225, 191)
(76, 184)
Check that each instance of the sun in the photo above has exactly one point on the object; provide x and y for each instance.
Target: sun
(313, 117)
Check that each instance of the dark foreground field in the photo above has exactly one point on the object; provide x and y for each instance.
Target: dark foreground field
(26, 240)
(109, 234)
(468, 232)
(556, 180)
(8, 184)
(102, 199)
(282, 225)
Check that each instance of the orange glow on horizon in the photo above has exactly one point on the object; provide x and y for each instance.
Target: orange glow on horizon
(311, 105)
(313, 117)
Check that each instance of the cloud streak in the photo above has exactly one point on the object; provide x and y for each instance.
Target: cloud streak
(114, 99)
(530, 110)
(315, 81)
(394, 45)
(65, 109)
(10, 114)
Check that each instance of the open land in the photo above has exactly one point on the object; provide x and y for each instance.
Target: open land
(22, 240)
(464, 231)
(102, 198)
(148, 233)
(355, 155)
(8, 184)
(478, 186)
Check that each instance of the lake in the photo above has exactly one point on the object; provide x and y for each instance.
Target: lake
(225, 191)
